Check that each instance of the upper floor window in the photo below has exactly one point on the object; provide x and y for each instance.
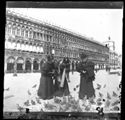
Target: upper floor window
(22, 32)
(26, 34)
(30, 34)
(9, 29)
(18, 31)
(14, 30)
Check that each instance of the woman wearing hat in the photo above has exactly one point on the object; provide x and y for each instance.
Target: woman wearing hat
(46, 87)
(86, 69)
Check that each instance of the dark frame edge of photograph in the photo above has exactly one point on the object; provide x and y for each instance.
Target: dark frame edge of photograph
(65, 4)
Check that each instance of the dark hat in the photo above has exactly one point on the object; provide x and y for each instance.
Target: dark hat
(83, 55)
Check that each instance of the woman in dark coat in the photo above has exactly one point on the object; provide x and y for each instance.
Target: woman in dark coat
(63, 90)
(56, 77)
(46, 87)
(86, 69)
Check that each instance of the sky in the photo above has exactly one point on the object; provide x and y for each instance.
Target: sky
(98, 24)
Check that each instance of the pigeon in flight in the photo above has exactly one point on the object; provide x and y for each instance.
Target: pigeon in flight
(98, 86)
(7, 89)
(34, 86)
(29, 93)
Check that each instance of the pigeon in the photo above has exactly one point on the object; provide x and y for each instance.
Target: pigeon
(7, 89)
(38, 100)
(114, 94)
(74, 89)
(27, 103)
(56, 100)
(92, 101)
(104, 86)
(34, 86)
(33, 102)
(107, 103)
(19, 107)
(100, 95)
(29, 93)
(87, 108)
(116, 103)
(118, 89)
(108, 96)
(9, 96)
(77, 86)
(116, 108)
(98, 86)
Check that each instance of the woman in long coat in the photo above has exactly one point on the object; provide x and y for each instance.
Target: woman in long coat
(63, 88)
(46, 87)
(86, 70)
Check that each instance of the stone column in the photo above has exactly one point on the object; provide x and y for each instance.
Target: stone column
(24, 66)
(15, 69)
(39, 66)
(31, 66)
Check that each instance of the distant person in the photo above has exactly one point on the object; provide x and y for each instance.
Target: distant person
(86, 69)
(72, 67)
(68, 68)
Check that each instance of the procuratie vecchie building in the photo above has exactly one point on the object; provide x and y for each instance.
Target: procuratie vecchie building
(28, 41)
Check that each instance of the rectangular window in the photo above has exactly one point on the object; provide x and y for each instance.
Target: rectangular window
(13, 31)
(18, 31)
(30, 34)
(26, 34)
(22, 33)
(9, 29)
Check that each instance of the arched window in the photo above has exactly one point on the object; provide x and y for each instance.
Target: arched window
(30, 34)
(22, 32)
(20, 63)
(28, 65)
(18, 31)
(14, 30)
(10, 64)
(35, 65)
(26, 33)
(9, 29)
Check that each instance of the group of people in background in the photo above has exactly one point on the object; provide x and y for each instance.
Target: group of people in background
(55, 77)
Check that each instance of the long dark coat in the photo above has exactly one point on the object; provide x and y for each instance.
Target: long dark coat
(86, 79)
(56, 75)
(63, 91)
(46, 87)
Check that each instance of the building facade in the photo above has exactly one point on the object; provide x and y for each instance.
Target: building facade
(28, 41)
(113, 59)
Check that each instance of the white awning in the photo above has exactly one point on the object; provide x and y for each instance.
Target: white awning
(27, 47)
(23, 47)
(13, 45)
(34, 48)
(20, 61)
(31, 48)
(38, 49)
(53, 51)
(18, 46)
(41, 49)
(11, 60)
